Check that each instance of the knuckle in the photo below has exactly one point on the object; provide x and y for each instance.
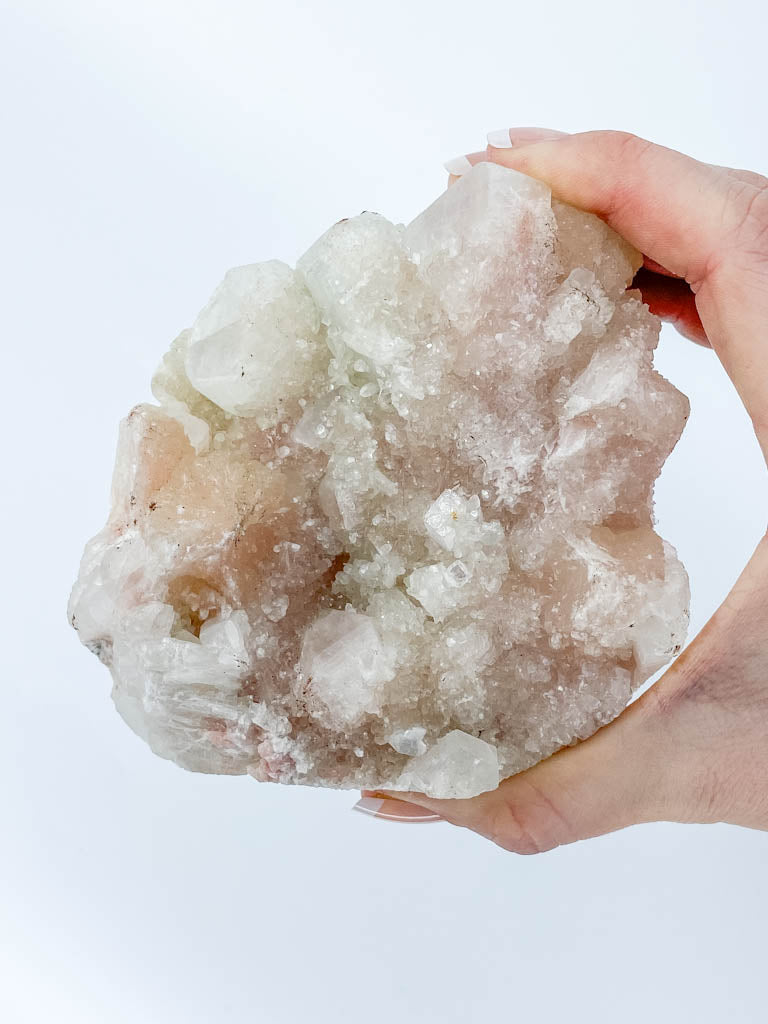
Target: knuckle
(745, 213)
(623, 152)
(625, 146)
(524, 827)
(506, 830)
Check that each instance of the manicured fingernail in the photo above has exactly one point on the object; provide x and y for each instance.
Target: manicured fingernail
(394, 810)
(458, 165)
(461, 164)
(506, 138)
(500, 139)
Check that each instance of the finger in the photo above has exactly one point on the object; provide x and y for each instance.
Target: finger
(694, 219)
(666, 204)
(672, 300)
(617, 778)
(685, 319)
(507, 138)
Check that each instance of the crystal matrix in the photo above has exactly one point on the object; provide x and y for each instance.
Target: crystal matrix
(391, 522)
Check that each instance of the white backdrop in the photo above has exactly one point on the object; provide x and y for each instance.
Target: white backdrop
(148, 146)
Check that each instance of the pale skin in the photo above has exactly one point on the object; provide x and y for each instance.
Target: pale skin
(694, 747)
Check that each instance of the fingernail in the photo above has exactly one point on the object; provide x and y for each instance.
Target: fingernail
(506, 138)
(458, 165)
(394, 810)
(461, 164)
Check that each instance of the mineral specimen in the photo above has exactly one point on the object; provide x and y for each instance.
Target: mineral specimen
(391, 522)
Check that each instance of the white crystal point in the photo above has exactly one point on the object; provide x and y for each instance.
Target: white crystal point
(391, 523)
(457, 766)
(259, 317)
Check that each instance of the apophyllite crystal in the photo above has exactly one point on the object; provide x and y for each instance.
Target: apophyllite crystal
(391, 522)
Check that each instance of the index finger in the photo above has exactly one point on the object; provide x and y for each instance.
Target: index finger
(695, 219)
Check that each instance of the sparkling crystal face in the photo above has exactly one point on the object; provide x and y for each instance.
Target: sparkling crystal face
(391, 522)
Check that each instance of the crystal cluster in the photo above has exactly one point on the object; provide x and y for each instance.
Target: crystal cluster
(390, 524)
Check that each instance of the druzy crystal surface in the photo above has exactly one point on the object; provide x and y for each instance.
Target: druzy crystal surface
(391, 523)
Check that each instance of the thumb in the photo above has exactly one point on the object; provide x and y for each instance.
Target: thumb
(621, 776)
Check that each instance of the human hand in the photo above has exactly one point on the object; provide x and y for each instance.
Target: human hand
(694, 747)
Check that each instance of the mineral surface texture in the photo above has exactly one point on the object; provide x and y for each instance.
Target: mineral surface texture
(390, 524)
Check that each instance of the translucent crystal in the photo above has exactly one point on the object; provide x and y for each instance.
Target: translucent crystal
(458, 765)
(390, 524)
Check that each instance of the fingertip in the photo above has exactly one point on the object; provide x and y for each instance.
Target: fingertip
(508, 138)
